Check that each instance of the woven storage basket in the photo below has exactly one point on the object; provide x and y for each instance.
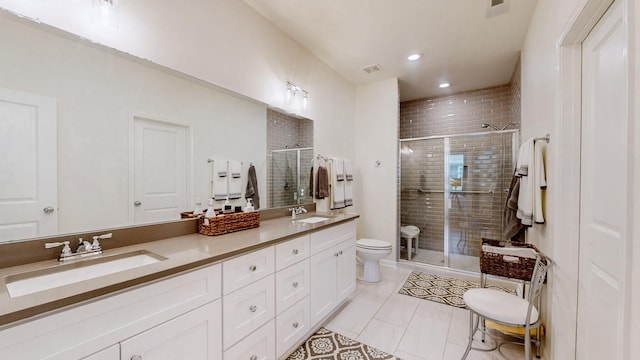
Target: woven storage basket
(229, 223)
(494, 264)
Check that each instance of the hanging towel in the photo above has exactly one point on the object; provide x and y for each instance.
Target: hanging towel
(532, 181)
(337, 186)
(322, 184)
(512, 224)
(338, 169)
(310, 188)
(348, 170)
(219, 180)
(348, 183)
(235, 181)
(540, 182)
(252, 187)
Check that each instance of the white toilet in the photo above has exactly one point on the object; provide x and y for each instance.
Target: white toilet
(370, 251)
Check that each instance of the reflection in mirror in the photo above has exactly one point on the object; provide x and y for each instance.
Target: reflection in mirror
(99, 98)
(290, 159)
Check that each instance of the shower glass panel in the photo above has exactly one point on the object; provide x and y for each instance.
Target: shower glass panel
(289, 177)
(453, 188)
(422, 199)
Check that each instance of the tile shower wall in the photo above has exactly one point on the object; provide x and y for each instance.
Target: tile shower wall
(287, 132)
(472, 216)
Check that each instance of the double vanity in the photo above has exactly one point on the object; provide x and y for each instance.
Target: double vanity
(254, 294)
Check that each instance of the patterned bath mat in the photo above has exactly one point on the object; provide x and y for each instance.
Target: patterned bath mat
(327, 345)
(440, 289)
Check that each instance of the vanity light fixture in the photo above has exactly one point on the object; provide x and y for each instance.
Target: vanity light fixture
(444, 85)
(293, 89)
(414, 56)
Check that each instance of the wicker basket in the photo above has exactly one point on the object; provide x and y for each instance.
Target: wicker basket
(229, 223)
(520, 268)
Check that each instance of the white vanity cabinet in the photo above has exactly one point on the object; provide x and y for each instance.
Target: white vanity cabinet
(332, 269)
(184, 305)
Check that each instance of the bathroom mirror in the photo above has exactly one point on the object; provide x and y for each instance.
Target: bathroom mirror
(103, 102)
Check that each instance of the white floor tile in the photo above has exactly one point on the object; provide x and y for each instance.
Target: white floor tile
(434, 310)
(355, 316)
(455, 352)
(398, 310)
(425, 337)
(382, 335)
(406, 356)
(378, 292)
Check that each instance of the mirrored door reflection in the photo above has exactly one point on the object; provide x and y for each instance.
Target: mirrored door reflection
(422, 201)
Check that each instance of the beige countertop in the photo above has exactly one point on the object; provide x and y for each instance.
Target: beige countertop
(183, 253)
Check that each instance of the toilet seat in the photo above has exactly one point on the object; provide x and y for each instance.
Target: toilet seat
(373, 244)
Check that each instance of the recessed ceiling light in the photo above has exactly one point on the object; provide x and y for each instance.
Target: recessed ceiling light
(414, 57)
(444, 85)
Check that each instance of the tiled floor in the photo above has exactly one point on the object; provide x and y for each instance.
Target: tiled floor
(408, 327)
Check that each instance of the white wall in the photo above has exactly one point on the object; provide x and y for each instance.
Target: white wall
(376, 139)
(545, 104)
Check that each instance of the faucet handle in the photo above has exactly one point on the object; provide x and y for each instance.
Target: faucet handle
(66, 250)
(96, 242)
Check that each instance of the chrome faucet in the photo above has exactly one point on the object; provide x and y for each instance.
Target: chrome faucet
(84, 249)
(297, 211)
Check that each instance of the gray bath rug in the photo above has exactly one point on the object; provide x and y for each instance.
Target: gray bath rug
(440, 289)
(327, 345)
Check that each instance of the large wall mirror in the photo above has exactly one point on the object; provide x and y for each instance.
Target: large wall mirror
(92, 138)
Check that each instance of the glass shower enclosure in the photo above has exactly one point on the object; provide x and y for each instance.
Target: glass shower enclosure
(289, 177)
(453, 189)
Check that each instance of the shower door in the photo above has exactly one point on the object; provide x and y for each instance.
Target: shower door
(453, 188)
(289, 177)
(422, 199)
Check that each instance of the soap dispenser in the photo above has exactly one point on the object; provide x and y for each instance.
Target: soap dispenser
(210, 211)
(227, 205)
(198, 209)
(249, 206)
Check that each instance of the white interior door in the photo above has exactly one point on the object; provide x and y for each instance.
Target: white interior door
(604, 190)
(160, 170)
(28, 165)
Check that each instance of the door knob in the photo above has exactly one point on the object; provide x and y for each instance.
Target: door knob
(253, 308)
(48, 210)
(137, 203)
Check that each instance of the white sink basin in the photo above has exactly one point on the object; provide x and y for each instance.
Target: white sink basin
(65, 274)
(313, 220)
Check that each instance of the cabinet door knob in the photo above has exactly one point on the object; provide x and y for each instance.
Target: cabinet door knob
(252, 268)
(336, 254)
(136, 357)
(295, 284)
(253, 357)
(253, 308)
(137, 203)
(340, 252)
(295, 324)
(295, 251)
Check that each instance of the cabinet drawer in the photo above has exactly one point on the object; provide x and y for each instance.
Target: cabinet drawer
(291, 326)
(328, 238)
(247, 309)
(246, 269)
(292, 284)
(260, 345)
(291, 252)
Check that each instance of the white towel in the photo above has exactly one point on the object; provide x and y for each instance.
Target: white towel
(530, 169)
(235, 180)
(348, 170)
(338, 169)
(348, 183)
(337, 186)
(219, 180)
(511, 251)
(540, 182)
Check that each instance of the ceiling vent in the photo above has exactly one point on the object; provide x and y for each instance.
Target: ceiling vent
(497, 7)
(372, 68)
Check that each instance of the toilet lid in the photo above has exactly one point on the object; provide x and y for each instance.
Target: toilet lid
(373, 244)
